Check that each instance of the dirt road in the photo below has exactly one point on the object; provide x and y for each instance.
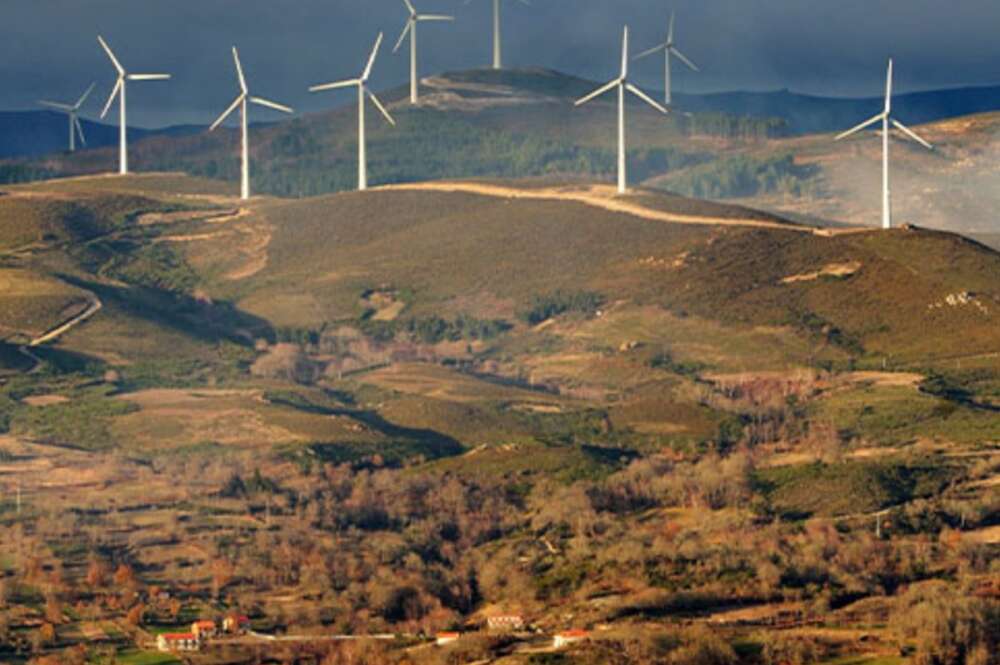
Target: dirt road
(597, 196)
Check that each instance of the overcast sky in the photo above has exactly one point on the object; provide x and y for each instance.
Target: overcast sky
(833, 47)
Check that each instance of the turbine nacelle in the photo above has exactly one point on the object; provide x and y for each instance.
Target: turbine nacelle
(241, 103)
(75, 127)
(885, 117)
(361, 83)
(622, 84)
(670, 51)
(119, 92)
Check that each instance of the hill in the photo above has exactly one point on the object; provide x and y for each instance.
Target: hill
(816, 178)
(811, 114)
(39, 133)
(470, 124)
(686, 426)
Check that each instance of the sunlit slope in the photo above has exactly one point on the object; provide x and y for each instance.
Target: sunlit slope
(954, 187)
(208, 266)
(906, 295)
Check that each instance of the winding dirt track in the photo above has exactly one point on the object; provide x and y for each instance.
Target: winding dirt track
(94, 307)
(597, 196)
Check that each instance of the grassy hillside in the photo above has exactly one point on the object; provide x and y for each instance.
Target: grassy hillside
(676, 423)
(528, 302)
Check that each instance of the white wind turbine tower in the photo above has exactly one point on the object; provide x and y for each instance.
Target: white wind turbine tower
(623, 84)
(497, 45)
(885, 117)
(362, 85)
(119, 91)
(669, 51)
(72, 110)
(242, 101)
(411, 29)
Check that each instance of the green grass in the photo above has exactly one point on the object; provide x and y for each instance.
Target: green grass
(83, 422)
(136, 657)
(890, 416)
(849, 488)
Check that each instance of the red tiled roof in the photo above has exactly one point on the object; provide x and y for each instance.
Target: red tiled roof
(574, 633)
(440, 635)
(177, 637)
(205, 624)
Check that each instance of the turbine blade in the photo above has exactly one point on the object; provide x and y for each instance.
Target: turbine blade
(597, 93)
(79, 130)
(644, 97)
(409, 5)
(381, 108)
(260, 101)
(683, 58)
(647, 53)
(114, 60)
(239, 70)
(670, 30)
(865, 125)
(888, 89)
(625, 54)
(912, 134)
(371, 58)
(402, 37)
(334, 86)
(226, 113)
(148, 77)
(85, 95)
(56, 105)
(114, 93)
(434, 17)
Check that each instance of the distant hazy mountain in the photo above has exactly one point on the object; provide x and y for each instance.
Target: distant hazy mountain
(37, 133)
(806, 114)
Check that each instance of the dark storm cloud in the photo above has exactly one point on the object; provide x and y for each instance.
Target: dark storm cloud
(833, 47)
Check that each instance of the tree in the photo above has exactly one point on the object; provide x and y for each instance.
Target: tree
(948, 627)
(97, 574)
(134, 616)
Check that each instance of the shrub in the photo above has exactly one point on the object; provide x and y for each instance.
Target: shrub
(545, 307)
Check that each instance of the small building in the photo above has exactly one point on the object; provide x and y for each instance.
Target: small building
(568, 637)
(447, 638)
(505, 623)
(236, 623)
(204, 629)
(178, 642)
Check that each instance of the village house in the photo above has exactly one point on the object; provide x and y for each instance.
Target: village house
(236, 624)
(204, 629)
(505, 623)
(568, 637)
(177, 642)
(447, 638)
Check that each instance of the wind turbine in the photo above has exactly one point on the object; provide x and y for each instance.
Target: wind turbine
(885, 117)
(497, 48)
(119, 91)
(362, 84)
(72, 111)
(623, 84)
(669, 51)
(242, 100)
(411, 28)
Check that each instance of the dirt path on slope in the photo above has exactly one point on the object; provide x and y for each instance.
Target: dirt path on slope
(597, 196)
(63, 328)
